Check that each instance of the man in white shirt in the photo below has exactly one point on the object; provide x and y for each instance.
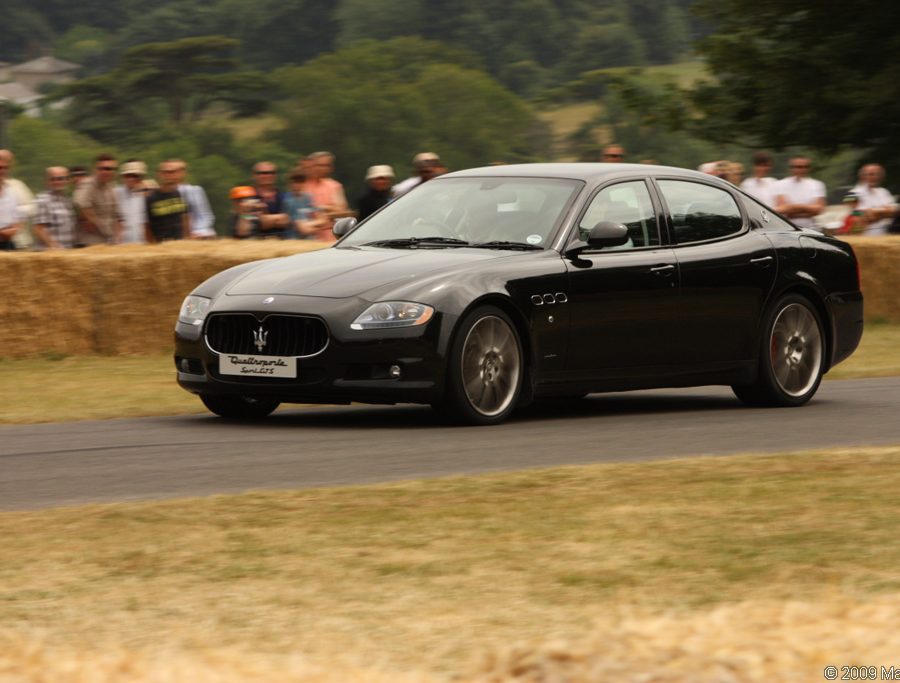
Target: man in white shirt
(203, 220)
(132, 198)
(10, 215)
(761, 185)
(425, 165)
(876, 203)
(24, 200)
(798, 196)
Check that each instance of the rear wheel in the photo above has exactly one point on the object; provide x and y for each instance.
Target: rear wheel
(792, 357)
(485, 369)
(241, 407)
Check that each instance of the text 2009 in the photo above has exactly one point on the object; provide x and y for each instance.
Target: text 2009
(862, 673)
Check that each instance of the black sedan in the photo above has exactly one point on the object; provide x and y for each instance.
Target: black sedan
(485, 289)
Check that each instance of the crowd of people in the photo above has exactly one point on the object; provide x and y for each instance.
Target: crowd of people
(119, 203)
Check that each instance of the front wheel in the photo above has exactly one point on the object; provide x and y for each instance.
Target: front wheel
(792, 357)
(239, 407)
(485, 369)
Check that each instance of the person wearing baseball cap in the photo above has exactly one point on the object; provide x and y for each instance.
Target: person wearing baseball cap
(425, 166)
(246, 209)
(378, 190)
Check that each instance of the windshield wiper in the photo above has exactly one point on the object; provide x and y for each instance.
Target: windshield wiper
(503, 244)
(418, 241)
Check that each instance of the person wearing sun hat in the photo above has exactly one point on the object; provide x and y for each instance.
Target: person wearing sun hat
(425, 166)
(378, 190)
(132, 198)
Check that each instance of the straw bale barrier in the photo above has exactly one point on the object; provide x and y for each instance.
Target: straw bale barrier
(124, 299)
(751, 642)
(111, 300)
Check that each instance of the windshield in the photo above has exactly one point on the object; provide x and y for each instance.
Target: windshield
(471, 211)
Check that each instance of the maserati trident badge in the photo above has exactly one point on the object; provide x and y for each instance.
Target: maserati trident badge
(259, 338)
(268, 299)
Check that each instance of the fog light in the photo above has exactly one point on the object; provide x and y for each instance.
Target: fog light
(395, 371)
(185, 365)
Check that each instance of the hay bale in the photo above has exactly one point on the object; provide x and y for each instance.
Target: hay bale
(878, 259)
(112, 300)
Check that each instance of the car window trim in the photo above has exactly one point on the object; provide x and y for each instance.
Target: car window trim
(572, 236)
(745, 217)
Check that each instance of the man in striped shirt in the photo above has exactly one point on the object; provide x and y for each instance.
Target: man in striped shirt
(54, 224)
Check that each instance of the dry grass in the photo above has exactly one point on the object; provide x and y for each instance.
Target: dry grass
(878, 355)
(751, 642)
(60, 389)
(685, 563)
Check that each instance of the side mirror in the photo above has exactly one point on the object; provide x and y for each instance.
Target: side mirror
(343, 225)
(604, 234)
(608, 234)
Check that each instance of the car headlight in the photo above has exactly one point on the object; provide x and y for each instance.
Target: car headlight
(194, 309)
(389, 314)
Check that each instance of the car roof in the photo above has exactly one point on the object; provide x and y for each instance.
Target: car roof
(576, 171)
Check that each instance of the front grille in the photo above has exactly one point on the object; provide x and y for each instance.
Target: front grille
(285, 335)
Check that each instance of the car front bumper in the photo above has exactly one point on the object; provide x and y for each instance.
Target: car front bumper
(403, 365)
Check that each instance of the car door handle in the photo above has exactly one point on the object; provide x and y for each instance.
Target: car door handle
(663, 271)
(762, 261)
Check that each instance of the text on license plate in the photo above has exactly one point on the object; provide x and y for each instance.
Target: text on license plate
(257, 366)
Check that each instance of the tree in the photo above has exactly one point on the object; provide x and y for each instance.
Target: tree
(814, 73)
(158, 84)
(381, 102)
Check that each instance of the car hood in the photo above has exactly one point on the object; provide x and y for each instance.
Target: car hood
(345, 272)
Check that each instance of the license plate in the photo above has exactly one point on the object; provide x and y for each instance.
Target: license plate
(257, 366)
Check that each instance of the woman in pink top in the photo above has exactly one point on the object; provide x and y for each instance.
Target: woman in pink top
(326, 192)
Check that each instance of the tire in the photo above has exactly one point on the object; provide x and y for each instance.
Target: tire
(239, 407)
(791, 356)
(485, 369)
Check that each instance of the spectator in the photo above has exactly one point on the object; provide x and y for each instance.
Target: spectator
(78, 174)
(246, 209)
(875, 202)
(378, 190)
(273, 221)
(326, 192)
(613, 153)
(761, 185)
(304, 224)
(798, 196)
(10, 214)
(24, 200)
(734, 174)
(167, 212)
(132, 198)
(56, 221)
(425, 166)
(203, 220)
(95, 198)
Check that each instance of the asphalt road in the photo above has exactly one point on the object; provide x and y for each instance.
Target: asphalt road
(118, 460)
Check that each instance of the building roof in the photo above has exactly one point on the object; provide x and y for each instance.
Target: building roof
(44, 65)
(18, 93)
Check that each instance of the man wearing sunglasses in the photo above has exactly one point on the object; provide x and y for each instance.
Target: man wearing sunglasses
(798, 196)
(95, 198)
(55, 222)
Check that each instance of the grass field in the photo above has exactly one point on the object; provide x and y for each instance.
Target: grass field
(430, 575)
(58, 389)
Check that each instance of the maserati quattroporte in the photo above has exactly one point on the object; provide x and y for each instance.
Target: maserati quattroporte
(485, 289)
